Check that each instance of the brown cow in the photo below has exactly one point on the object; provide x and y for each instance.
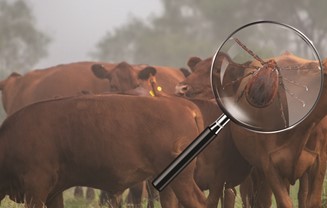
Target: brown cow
(65, 80)
(75, 78)
(79, 141)
(265, 144)
(57, 81)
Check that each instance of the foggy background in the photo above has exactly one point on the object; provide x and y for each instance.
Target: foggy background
(40, 34)
(75, 26)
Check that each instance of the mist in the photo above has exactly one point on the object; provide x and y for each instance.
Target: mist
(75, 26)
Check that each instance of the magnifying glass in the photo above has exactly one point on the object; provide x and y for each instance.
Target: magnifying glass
(262, 70)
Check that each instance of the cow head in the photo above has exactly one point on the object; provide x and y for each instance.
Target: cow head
(197, 84)
(125, 79)
(121, 78)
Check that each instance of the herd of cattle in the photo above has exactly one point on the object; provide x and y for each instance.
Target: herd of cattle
(109, 126)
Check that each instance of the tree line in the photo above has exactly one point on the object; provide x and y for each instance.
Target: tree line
(183, 29)
(196, 28)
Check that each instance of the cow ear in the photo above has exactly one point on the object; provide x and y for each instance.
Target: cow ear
(100, 71)
(185, 72)
(4, 82)
(145, 73)
(192, 62)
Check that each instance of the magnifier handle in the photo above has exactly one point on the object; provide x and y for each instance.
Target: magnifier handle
(190, 152)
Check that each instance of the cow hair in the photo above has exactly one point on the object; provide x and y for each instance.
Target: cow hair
(182, 142)
(145, 73)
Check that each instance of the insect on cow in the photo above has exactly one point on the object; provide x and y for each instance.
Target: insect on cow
(263, 86)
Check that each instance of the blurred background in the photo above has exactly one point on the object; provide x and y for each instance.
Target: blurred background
(39, 34)
(36, 34)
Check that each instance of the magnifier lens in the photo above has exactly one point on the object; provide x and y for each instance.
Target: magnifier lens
(267, 76)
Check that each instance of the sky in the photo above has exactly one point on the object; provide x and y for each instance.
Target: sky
(75, 26)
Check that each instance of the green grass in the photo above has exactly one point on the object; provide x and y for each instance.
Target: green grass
(71, 202)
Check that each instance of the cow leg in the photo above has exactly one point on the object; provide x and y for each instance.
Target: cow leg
(56, 202)
(153, 194)
(34, 197)
(186, 190)
(37, 184)
(303, 190)
(279, 187)
(32, 202)
(90, 194)
(113, 200)
(103, 198)
(261, 195)
(135, 194)
(78, 192)
(189, 195)
(215, 192)
(246, 191)
(229, 198)
(316, 181)
(168, 198)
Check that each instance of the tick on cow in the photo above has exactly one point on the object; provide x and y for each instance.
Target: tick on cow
(264, 83)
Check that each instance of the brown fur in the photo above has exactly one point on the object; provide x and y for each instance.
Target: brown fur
(71, 79)
(78, 141)
(58, 81)
(312, 181)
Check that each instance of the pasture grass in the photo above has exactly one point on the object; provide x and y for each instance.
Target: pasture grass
(71, 202)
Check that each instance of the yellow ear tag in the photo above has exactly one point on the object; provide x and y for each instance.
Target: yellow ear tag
(159, 88)
(151, 93)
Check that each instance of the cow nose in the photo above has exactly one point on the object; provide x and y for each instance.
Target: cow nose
(181, 89)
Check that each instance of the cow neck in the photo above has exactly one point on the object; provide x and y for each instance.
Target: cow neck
(319, 110)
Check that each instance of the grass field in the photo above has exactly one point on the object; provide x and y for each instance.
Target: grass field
(71, 202)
